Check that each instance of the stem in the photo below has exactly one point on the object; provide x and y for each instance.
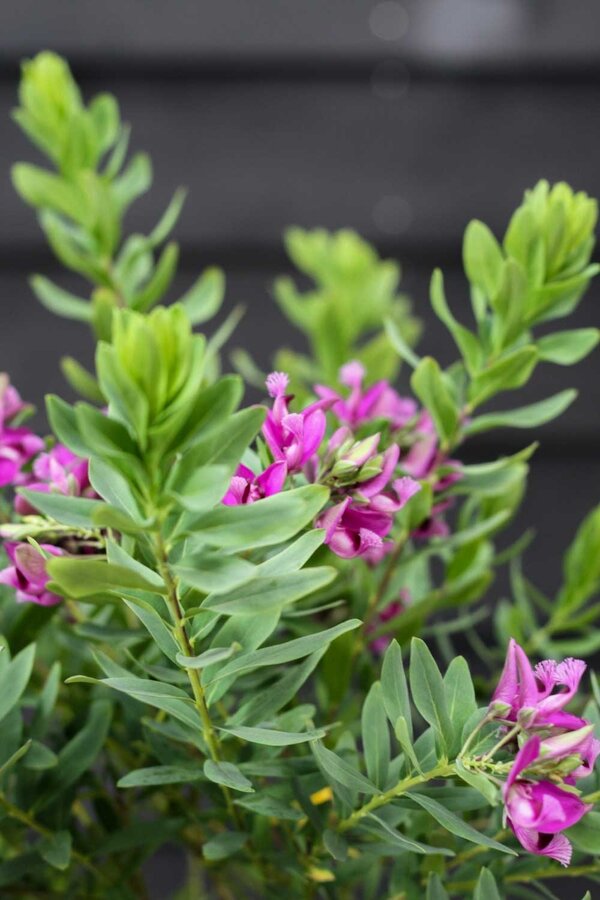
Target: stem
(25, 819)
(440, 771)
(385, 580)
(210, 736)
(504, 740)
(487, 718)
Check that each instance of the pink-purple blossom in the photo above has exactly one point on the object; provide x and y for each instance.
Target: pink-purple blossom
(11, 403)
(246, 487)
(380, 401)
(18, 445)
(58, 471)
(536, 696)
(27, 573)
(538, 811)
(357, 525)
(292, 437)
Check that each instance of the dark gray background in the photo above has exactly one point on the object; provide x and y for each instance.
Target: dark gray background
(401, 122)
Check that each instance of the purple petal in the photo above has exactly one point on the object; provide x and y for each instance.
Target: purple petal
(375, 485)
(272, 480)
(557, 847)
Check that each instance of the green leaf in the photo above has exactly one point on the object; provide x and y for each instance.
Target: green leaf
(135, 181)
(40, 757)
(210, 572)
(510, 372)
(56, 850)
(224, 845)
(75, 511)
(582, 564)
(15, 757)
(482, 257)
(435, 888)
(464, 339)
(376, 736)
(208, 658)
(169, 218)
(486, 887)
(376, 825)
(78, 755)
(60, 302)
(272, 807)
(586, 834)
(565, 348)
(479, 782)
(204, 298)
(293, 557)
(430, 387)
(335, 844)
(428, 692)
(284, 653)
(525, 416)
(15, 678)
(155, 693)
(80, 577)
(396, 700)
(157, 286)
(456, 825)
(227, 774)
(401, 347)
(342, 771)
(156, 627)
(82, 381)
(270, 738)
(156, 775)
(261, 595)
(460, 697)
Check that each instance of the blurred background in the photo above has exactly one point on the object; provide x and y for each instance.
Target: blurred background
(402, 120)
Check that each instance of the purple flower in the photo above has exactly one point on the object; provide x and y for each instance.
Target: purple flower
(390, 612)
(354, 528)
(58, 472)
(539, 811)
(28, 575)
(536, 696)
(380, 401)
(292, 437)
(17, 447)
(246, 487)
(10, 401)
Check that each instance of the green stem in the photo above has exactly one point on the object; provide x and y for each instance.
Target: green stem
(210, 736)
(24, 818)
(504, 740)
(440, 771)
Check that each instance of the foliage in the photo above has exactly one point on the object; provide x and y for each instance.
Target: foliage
(219, 639)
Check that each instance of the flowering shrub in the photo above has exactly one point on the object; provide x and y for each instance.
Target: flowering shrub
(213, 614)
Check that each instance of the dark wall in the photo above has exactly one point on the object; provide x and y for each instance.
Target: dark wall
(402, 121)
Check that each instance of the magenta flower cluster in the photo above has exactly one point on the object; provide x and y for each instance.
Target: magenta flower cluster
(24, 462)
(368, 485)
(555, 749)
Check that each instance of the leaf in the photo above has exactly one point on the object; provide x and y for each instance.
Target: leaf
(82, 381)
(380, 827)
(157, 775)
(342, 771)
(78, 755)
(401, 347)
(586, 834)
(376, 736)
(262, 595)
(224, 845)
(464, 339)
(59, 301)
(565, 348)
(510, 372)
(40, 757)
(284, 653)
(227, 774)
(271, 738)
(293, 557)
(273, 808)
(396, 700)
(208, 658)
(486, 887)
(15, 757)
(525, 416)
(210, 572)
(482, 257)
(428, 692)
(75, 511)
(335, 844)
(479, 782)
(460, 697)
(238, 528)
(156, 627)
(456, 825)
(81, 577)
(581, 564)
(435, 888)
(56, 850)
(430, 387)
(155, 693)
(15, 678)
(204, 298)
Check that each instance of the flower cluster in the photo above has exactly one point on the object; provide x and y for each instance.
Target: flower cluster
(555, 749)
(24, 462)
